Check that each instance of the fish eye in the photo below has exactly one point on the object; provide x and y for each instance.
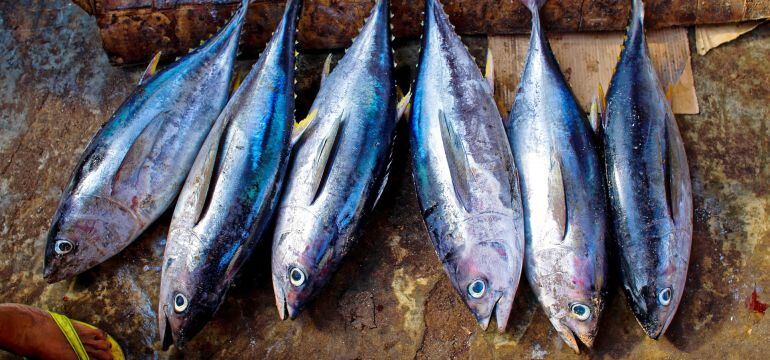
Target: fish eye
(664, 296)
(581, 311)
(180, 303)
(63, 247)
(477, 288)
(296, 276)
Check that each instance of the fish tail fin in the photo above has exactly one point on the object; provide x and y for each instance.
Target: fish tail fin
(533, 5)
(637, 10)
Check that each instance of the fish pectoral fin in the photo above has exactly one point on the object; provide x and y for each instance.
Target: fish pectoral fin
(300, 127)
(196, 192)
(556, 195)
(130, 168)
(326, 69)
(152, 68)
(677, 175)
(457, 161)
(325, 158)
(403, 105)
(490, 71)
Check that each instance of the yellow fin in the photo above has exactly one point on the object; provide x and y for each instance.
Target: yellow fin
(301, 126)
(670, 95)
(237, 80)
(489, 70)
(151, 68)
(403, 105)
(327, 68)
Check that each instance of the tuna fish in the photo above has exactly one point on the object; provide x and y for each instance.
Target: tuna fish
(135, 165)
(563, 194)
(338, 166)
(231, 192)
(649, 185)
(464, 174)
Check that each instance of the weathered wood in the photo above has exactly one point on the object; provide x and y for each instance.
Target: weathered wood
(588, 60)
(133, 30)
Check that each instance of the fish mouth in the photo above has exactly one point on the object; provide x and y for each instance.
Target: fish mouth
(52, 275)
(166, 333)
(570, 338)
(501, 311)
(284, 309)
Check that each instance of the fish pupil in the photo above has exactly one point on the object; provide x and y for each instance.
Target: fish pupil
(179, 300)
(296, 275)
(579, 310)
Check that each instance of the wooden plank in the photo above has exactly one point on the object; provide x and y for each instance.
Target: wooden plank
(588, 59)
(130, 31)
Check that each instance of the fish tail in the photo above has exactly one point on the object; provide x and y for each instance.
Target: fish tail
(637, 10)
(533, 5)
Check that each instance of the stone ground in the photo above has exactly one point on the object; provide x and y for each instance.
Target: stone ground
(391, 298)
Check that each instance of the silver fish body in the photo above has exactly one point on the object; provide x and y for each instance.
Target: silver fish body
(134, 167)
(464, 174)
(338, 166)
(649, 185)
(563, 194)
(231, 192)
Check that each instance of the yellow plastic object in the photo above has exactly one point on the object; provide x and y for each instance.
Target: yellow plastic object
(65, 324)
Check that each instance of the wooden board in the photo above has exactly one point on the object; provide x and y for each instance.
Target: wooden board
(708, 37)
(588, 59)
(134, 30)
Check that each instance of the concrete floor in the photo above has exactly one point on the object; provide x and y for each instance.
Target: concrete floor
(391, 298)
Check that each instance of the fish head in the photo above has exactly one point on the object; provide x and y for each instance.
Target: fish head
(85, 232)
(185, 303)
(303, 261)
(484, 276)
(655, 296)
(570, 286)
(574, 313)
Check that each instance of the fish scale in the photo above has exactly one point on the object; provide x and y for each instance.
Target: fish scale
(134, 167)
(464, 173)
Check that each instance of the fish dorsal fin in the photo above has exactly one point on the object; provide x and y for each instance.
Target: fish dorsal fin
(152, 68)
(403, 105)
(457, 161)
(327, 69)
(557, 195)
(593, 116)
(300, 127)
(324, 158)
(489, 71)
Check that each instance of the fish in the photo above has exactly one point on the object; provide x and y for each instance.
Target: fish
(563, 193)
(135, 165)
(648, 182)
(231, 192)
(464, 173)
(339, 166)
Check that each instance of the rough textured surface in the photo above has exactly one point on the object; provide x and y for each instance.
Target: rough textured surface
(133, 30)
(390, 299)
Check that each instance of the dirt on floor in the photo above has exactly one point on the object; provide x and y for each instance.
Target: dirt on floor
(391, 298)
